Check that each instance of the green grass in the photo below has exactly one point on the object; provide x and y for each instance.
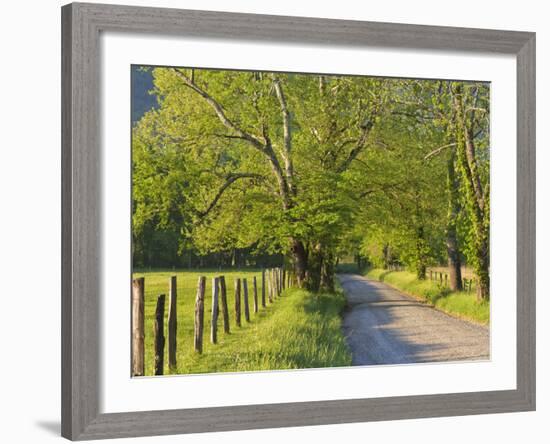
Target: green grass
(458, 303)
(299, 330)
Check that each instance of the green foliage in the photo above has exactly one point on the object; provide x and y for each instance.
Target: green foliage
(340, 165)
(299, 330)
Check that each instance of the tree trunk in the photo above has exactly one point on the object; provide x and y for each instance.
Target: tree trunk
(420, 254)
(299, 257)
(453, 252)
(482, 269)
(454, 262)
(315, 265)
(476, 199)
(327, 273)
(386, 251)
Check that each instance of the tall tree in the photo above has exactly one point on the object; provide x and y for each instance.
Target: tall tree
(471, 126)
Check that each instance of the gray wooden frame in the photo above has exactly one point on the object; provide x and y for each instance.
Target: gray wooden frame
(81, 168)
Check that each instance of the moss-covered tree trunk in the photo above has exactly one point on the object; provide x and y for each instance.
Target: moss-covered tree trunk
(476, 196)
(315, 264)
(327, 272)
(453, 251)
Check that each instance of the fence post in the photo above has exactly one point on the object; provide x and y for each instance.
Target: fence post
(283, 279)
(431, 279)
(225, 308)
(440, 277)
(255, 288)
(238, 302)
(245, 300)
(445, 279)
(263, 288)
(199, 314)
(172, 322)
(159, 335)
(270, 285)
(214, 319)
(138, 326)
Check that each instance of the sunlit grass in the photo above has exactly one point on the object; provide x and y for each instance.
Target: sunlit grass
(299, 330)
(458, 303)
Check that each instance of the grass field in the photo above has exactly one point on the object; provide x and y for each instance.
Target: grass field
(299, 330)
(461, 304)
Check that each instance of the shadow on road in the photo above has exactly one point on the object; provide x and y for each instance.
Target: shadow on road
(385, 326)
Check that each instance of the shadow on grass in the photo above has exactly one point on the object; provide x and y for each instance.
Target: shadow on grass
(443, 293)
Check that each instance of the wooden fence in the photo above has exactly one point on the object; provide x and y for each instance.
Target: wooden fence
(440, 277)
(273, 282)
(443, 280)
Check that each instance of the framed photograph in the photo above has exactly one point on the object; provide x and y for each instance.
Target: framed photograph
(278, 221)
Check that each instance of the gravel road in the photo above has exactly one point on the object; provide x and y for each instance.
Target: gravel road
(384, 326)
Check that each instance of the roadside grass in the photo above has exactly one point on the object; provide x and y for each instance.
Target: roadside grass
(299, 330)
(461, 304)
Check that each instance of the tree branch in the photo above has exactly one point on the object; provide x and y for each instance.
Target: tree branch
(360, 145)
(266, 148)
(438, 150)
(287, 134)
(219, 111)
(228, 136)
(230, 179)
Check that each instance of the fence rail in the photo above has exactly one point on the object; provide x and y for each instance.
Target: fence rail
(273, 281)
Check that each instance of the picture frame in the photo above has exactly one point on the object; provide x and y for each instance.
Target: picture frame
(82, 24)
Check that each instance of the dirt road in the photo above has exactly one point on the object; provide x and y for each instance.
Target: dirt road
(385, 326)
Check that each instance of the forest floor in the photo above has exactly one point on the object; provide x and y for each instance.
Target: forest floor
(385, 326)
(298, 330)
